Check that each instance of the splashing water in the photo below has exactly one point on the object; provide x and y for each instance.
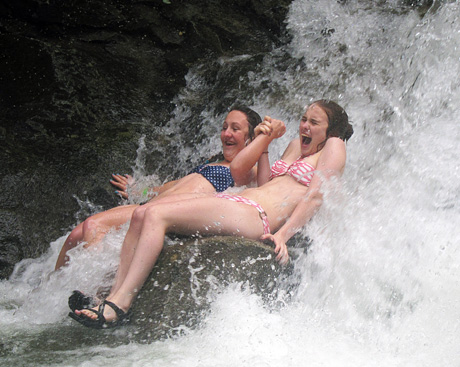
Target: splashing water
(379, 286)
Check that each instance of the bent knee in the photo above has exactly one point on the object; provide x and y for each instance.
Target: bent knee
(92, 225)
(138, 214)
(77, 233)
(159, 212)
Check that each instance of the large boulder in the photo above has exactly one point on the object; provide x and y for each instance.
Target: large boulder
(180, 288)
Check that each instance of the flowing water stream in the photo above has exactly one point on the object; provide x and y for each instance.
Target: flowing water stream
(380, 285)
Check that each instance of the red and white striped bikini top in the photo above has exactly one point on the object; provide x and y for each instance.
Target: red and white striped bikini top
(301, 171)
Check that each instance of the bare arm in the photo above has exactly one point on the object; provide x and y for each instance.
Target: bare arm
(263, 169)
(123, 181)
(242, 164)
(330, 163)
(263, 164)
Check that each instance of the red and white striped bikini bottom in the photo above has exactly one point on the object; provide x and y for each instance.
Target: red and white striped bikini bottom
(241, 199)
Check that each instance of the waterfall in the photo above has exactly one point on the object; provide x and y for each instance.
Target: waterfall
(379, 285)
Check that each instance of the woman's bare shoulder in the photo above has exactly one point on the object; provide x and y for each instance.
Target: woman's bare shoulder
(292, 150)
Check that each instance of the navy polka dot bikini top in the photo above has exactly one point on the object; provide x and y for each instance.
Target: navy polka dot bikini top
(219, 176)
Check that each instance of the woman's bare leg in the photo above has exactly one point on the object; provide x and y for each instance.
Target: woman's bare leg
(134, 231)
(72, 240)
(207, 216)
(97, 226)
(93, 229)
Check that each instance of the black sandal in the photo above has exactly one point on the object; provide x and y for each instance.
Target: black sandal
(80, 301)
(100, 322)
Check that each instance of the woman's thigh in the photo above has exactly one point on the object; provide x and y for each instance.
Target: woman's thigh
(209, 216)
(176, 197)
(115, 217)
(140, 210)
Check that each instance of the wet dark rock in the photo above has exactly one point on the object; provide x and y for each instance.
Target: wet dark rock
(179, 291)
(82, 80)
(176, 298)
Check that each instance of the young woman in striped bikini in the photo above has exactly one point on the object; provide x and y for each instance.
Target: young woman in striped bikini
(274, 211)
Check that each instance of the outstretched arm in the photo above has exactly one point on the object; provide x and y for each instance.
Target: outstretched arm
(331, 163)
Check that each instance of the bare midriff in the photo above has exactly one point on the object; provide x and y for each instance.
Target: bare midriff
(278, 198)
(190, 184)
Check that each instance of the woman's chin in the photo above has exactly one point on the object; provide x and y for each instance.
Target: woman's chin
(230, 153)
(306, 150)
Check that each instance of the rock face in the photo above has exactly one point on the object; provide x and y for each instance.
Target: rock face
(177, 292)
(81, 81)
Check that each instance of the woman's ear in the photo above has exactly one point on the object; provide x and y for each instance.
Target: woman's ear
(246, 143)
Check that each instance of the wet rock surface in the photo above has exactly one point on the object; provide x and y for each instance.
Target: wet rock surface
(188, 275)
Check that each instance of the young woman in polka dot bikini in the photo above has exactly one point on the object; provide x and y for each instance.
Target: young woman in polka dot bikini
(237, 129)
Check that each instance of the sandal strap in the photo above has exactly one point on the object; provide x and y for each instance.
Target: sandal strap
(100, 313)
(118, 311)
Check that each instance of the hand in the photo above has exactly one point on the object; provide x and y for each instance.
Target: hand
(280, 248)
(278, 128)
(270, 127)
(263, 128)
(121, 182)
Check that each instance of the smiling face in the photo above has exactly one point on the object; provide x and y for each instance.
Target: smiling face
(235, 132)
(312, 130)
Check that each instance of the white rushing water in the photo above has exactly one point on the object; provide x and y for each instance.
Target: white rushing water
(380, 285)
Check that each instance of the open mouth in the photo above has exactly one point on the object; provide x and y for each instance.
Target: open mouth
(306, 139)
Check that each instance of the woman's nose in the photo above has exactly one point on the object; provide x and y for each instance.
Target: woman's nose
(305, 125)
